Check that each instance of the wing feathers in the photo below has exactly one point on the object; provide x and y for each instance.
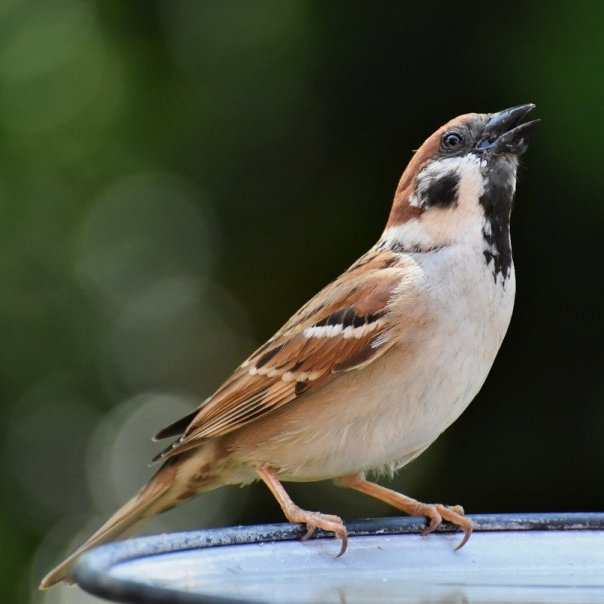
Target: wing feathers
(346, 326)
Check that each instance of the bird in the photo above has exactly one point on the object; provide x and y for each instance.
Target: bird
(369, 372)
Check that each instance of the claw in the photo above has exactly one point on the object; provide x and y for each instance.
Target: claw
(310, 529)
(454, 514)
(467, 532)
(344, 538)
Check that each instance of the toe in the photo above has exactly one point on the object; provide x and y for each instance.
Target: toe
(455, 516)
(434, 517)
(310, 529)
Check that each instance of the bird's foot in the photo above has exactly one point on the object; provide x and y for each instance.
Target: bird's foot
(436, 513)
(314, 520)
(294, 513)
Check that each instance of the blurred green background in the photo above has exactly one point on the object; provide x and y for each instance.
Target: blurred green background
(177, 177)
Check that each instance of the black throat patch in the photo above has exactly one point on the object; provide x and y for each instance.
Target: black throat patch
(439, 191)
(497, 201)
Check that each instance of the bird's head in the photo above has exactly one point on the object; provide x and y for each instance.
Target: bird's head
(459, 185)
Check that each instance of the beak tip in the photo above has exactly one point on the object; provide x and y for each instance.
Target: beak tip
(505, 131)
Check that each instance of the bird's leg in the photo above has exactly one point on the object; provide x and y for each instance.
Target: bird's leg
(434, 512)
(294, 513)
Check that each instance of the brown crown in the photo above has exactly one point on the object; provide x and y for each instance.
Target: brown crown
(402, 210)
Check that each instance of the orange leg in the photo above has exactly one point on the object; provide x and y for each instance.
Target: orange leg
(435, 512)
(294, 513)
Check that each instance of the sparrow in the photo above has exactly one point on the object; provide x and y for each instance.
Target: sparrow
(369, 372)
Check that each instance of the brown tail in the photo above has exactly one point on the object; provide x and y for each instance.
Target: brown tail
(157, 496)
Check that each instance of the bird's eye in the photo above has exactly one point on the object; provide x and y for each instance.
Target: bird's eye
(452, 140)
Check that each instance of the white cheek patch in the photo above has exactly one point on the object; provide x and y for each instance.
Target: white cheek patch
(442, 183)
(461, 218)
(433, 173)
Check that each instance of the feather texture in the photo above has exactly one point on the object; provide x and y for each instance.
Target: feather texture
(345, 326)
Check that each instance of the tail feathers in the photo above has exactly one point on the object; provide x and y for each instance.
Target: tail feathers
(144, 505)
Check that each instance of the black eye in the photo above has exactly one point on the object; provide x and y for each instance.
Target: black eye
(452, 140)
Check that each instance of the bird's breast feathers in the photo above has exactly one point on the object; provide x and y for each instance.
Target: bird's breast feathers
(446, 320)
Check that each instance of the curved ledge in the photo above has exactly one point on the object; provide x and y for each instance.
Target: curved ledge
(98, 573)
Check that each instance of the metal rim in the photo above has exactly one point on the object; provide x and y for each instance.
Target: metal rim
(92, 571)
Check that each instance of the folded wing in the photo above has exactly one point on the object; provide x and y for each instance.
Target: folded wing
(343, 328)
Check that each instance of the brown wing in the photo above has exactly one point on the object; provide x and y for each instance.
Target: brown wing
(344, 327)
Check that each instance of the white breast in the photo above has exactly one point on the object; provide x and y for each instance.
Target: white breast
(453, 355)
(385, 415)
(446, 364)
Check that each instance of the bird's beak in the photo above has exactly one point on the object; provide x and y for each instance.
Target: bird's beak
(504, 133)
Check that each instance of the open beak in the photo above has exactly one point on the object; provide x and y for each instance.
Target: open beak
(504, 133)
